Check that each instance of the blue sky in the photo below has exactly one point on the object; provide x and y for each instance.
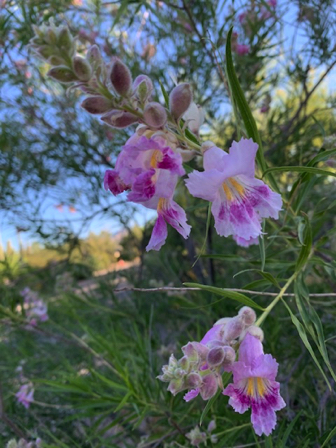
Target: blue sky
(8, 232)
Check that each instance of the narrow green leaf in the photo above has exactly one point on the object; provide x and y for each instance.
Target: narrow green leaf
(299, 169)
(165, 94)
(206, 235)
(330, 436)
(121, 10)
(282, 443)
(303, 336)
(306, 249)
(243, 107)
(227, 293)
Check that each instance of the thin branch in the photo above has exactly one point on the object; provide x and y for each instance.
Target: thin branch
(246, 291)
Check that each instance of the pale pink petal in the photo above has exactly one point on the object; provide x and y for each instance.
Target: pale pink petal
(159, 235)
(191, 395)
(176, 217)
(214, 158)
(204, 185)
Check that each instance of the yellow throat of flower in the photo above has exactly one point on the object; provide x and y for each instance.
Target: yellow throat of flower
(232, 187)
(256, 387)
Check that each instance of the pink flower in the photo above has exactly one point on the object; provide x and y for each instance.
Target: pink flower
(254, 386)
(245, 243)
(25, 395)
(171, 213)
(239, 200)
(143, 166)
(242, 49)
(150, 169)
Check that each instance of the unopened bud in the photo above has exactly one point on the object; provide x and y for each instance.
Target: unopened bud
(82, 68)
(230, 356)
(55, 60)
(97, 105)
(65, 39)
(190, 351)
(62, 74)
(51, 36)
(93, 56)
(254, 331)
(196, 437)
(183, 363)
(121, 78)
(194, 380)
(194, 116)
(233, 329)
(155, 115)
(119, 119)
(215, 357)
(45, 51)
(209, 387)
(248, 315)
(142, 87)
(223, 321)
(176, 385)
(180, 99)
(186, 154)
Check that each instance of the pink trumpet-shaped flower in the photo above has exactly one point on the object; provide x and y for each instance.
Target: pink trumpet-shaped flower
(239, 200)
(254, 385)
(25, 395)
(171, 213)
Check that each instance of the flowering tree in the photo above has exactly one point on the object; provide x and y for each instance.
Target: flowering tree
(169, 166)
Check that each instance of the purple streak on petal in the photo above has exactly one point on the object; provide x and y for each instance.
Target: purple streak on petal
(238, 400)
(191, 395)
(159, 235)
(143, 187)
(176, 217)
(113, 182)
(171, 161)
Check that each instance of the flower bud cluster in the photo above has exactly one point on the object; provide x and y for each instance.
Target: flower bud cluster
(203, 363)
(35, 309)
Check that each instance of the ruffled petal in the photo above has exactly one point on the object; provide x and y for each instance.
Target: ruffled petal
(204, 184)
(191, 395)
(214, 158)
(159, 235)
(143, 187)
(238, 400)
(114, 183)
(250, 349)
(171, 161)
(241, 158)
(176, 217)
